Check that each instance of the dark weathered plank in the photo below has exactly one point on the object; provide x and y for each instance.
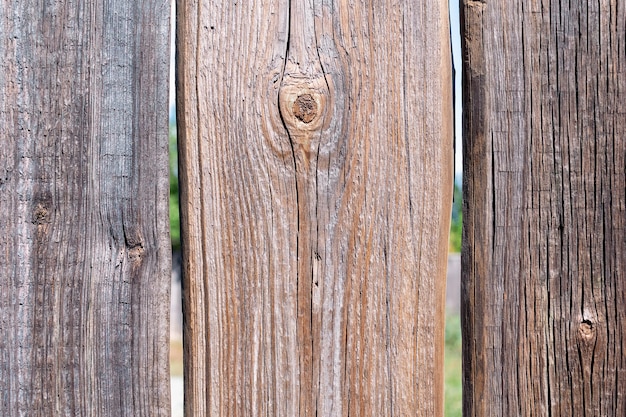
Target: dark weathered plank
(544, 256)
(84, 248)
(316, 171)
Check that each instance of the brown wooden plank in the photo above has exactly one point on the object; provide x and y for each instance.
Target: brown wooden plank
(544, 256)
(316, 184)
(84, 249)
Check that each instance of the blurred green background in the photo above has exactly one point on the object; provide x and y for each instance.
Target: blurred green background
(174, 213)
(452, 367)
(452, 363)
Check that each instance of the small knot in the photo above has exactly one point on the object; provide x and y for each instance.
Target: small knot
(134, 245)
(135, 252)
(586, 329)
(305, 108)
(41, 215)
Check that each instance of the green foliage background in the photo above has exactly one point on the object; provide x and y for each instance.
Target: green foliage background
(456, 225)
(452, 367)
(174, 210)
(452, 362)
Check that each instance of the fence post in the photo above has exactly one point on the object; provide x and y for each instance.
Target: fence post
(316, 184)
(544, 256)
(84, 249)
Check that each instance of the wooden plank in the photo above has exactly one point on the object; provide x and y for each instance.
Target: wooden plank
(316, 183)
(544, 256)
(84, 249)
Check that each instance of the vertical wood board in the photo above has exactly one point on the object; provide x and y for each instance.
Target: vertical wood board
(544, 249)
(84, 249)
(316, 184)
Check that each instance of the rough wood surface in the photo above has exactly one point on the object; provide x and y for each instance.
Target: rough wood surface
(544, 252)
(84, 249)
(316, 171)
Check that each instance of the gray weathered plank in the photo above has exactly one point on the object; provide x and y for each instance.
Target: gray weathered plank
(316, 171)
(544, 252)
(84, 249)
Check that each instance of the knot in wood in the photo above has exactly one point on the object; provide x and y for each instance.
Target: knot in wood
(41, 215)
(586, 330)
(305, 108)
(135, 252)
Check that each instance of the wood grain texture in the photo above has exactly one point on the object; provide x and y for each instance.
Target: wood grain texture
(316, 184)
(544, 256)
(84, 249)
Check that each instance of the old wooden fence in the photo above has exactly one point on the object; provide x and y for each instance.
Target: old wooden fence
(316, 183)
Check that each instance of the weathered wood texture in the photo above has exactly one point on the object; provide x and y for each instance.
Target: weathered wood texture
(316, 170)
(84, 249)
(544, 252)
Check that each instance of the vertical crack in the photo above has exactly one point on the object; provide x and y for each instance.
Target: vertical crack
(302, 104)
